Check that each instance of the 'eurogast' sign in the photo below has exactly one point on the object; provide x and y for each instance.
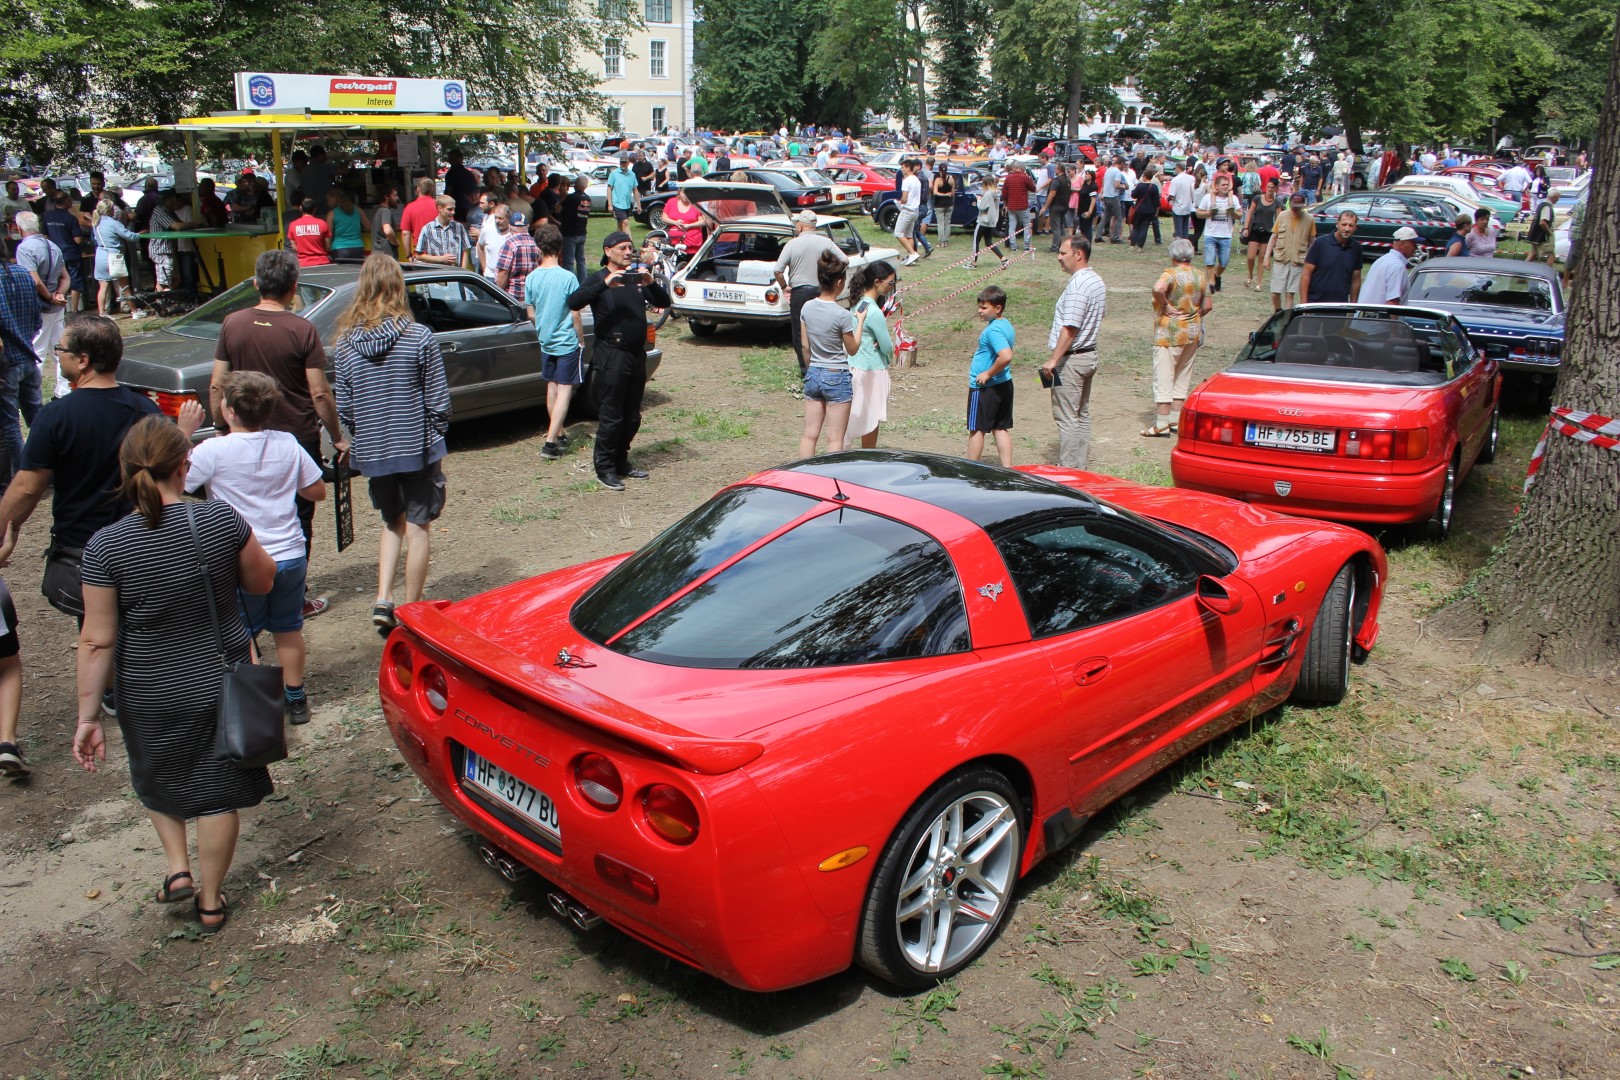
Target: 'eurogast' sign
(264, 91)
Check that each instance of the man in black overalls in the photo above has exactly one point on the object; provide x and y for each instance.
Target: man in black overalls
(618, 301)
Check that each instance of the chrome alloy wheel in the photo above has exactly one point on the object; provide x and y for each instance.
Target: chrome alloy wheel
(959, 879)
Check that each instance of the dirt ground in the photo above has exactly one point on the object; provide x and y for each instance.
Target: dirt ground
(1420, 882)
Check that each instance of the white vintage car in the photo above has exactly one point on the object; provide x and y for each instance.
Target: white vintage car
(731, 278)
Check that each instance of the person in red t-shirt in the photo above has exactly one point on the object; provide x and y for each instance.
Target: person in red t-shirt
(310, 236)
(1269, 174)
(1016, 188)
(418, 212)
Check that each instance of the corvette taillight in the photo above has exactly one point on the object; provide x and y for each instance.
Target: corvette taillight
(435, 688)
(399, 658)
(1411, 444)
(598, 780)
(670, 813)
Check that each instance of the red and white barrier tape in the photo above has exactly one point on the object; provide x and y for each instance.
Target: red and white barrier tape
(1601, 431)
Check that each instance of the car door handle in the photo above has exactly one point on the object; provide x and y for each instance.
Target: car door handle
(1092, 669)
(449, 346)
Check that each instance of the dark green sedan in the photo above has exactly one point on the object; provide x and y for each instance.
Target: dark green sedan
(491, 352)
(1380, 213)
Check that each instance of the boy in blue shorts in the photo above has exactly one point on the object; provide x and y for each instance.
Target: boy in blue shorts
(545, 293)
(990, 383)
(257, 472)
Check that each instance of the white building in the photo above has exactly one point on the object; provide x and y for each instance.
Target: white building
(647, 77)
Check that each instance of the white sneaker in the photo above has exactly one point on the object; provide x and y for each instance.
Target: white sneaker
(910, 260)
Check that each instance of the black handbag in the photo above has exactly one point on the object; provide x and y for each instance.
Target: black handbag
(250, 730)
(62, 584)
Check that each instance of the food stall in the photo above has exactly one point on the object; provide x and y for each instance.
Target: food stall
(402, 116)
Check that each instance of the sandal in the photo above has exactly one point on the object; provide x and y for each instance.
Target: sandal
(1006, 263)
(168, 894)
(1157, 432)
(382, 617)
(223, 913)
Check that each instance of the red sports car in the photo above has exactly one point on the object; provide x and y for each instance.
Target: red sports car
(1362, 413)
(837, 712)
(871, 179)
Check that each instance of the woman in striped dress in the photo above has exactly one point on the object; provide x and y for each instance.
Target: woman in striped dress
(144, 603)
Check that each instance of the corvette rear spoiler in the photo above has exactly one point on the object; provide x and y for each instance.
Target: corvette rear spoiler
(542, 687)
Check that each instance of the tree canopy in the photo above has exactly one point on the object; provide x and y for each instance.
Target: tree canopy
(69, 64)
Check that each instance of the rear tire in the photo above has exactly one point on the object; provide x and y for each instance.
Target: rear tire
(655, 216)
(1487, 453)
(887, 215)
(701, 328)
(1438, 526)
(944, 882)
(1324, 672)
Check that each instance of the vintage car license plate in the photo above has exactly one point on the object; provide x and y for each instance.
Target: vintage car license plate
(524, 798)
(1284, 437)
(732, 295)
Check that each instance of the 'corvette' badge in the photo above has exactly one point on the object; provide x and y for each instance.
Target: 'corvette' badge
(991, 591)
(1282, 487)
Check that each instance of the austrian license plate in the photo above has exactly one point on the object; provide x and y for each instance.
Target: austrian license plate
(525, 799)
(736, 296)
(1285, 437)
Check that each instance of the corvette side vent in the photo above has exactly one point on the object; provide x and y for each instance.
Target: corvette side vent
(1280, 646)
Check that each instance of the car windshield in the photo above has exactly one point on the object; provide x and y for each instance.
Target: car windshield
(1468, 287)
(204, 321)
(844, 587)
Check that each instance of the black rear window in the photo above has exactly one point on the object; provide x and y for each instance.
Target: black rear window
(681, 554)
(846, 587)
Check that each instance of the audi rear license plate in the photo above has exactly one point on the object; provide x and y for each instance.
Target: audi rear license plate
(524, 799)
(1287, 437)
(736, 296)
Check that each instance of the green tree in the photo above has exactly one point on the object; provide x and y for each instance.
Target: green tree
(749, 68)
(858, 61)
(1052, 60)
(1575, 35)
(958, 31)
(1207, 66)
(77, 63)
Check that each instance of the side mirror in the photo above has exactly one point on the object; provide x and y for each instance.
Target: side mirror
(1254, 335)
(1215, 596)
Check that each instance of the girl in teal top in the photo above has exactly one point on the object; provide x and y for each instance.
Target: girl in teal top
(869, 367)
(347, 224)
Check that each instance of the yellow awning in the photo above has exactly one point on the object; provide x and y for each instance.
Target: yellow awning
(337, 123)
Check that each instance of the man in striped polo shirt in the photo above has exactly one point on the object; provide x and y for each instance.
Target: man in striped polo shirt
(1073, 342)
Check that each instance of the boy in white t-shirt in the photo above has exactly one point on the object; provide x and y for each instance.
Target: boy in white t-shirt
(258, 472)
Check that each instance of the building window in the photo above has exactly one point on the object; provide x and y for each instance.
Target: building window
(660, 11)
(552, 115)
(613, 58)
(616, 10)
(657, 65)
(658, 118)
(614, 115)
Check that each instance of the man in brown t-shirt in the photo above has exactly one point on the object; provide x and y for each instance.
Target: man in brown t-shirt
(270, 338)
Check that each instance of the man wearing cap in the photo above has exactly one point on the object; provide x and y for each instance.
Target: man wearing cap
(623, 196)
(796, 271)
(618, 301)
(518, 256)
(1332, 273)
(1291, 236)
(1385, 283)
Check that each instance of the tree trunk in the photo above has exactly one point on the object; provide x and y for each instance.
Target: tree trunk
(922, 76)
(1071, 114)
(1551, 592)
(1352, 135)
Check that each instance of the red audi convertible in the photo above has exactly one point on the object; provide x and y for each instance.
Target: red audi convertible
(837, 712)
(1365, 413)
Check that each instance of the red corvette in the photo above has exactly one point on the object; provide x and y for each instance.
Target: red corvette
(1362, 413)
(836, 713)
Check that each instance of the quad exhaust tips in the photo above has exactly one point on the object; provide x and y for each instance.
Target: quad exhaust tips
(571, 910)
(508, 867)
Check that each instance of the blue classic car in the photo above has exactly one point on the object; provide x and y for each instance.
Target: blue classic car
(1513, 310)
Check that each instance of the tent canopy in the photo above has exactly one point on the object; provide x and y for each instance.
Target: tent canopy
(340, 123)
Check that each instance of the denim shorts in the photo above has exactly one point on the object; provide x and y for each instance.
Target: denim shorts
(281, 610)
(834, 386)
(1217, 250)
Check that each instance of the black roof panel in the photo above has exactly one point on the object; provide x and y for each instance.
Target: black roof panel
(986, 495)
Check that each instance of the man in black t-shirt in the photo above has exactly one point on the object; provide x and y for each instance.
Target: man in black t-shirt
(73, 448)
(573, 216)
(644, 172)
